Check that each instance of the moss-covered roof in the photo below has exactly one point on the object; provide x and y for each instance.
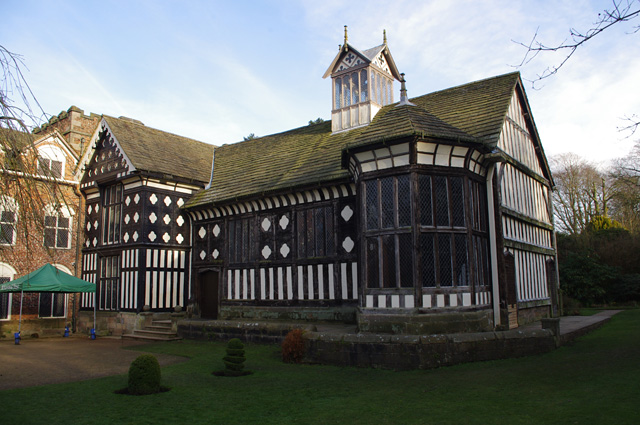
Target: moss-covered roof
(158, 152)
(306, 156)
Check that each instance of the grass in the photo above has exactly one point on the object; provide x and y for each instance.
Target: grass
(594, 381)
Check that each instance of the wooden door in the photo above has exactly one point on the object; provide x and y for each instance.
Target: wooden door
(209, 298)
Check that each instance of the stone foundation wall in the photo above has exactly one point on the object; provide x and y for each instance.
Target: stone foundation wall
(342, 314)
(385, 321)
(405, 352)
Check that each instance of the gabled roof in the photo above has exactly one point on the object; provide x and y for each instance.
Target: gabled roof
(158, 152)
(473, 113)
(367, 57)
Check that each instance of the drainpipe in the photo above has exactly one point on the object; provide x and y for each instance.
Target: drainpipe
(495, 284)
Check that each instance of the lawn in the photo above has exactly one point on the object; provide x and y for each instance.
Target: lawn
(594, 381)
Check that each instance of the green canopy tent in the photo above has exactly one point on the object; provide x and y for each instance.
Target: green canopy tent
(46, 279)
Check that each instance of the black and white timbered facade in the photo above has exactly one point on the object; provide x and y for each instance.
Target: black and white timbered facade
(137, 245)
(429, 214)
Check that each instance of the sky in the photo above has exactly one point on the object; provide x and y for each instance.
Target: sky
(217, 71)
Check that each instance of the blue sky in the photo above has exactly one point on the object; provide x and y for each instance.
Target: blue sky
(219, 70)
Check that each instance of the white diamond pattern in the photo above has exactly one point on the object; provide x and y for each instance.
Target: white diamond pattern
(284, 250)
(266, 224)
(127, 219)
(180, 202)
(126, 237)
(348, 244)
(90, 209)
(136, 199)
(202, 233)
(153, 217)
(346, 213)
(180, 238)
(216, 230)
(153, 198)
(166, 219)
(167, 200)
(166, 238)
(152, 236)
(202, 255)
(180, 220)
(266, 252)
(127, 200)
(135, 236)
(284, 222)
(215, 254)
(136, 217)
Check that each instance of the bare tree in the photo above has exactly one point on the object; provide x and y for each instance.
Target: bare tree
(626, 203)
(582, 192)
(621, 11)
(27, 187)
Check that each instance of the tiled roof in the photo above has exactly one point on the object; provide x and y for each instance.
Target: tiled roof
(158, 152)
(472, 113)
(301, 157)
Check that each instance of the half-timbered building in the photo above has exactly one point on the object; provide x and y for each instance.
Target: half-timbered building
(424, 215)
(137, 240)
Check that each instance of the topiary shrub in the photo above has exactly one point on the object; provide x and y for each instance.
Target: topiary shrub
(234, 360)
(144, 375)
(293, 347)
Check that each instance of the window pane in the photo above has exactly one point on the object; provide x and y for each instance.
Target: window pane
(364, 89)
(389, 261)
(462, 263)
(329, 230)
(302, 252)
(372, 263)
(338, 93)
(405, 246)
(424, 189)
(56, 169)
(404, 201)
(44, 308)
(427, 260)
(320, 232)
(63, 238)
(457, 202)
(58, 305)
(371, 187)
(232, 241)
(442, 201)
(49, 221)
(4, 301)
(50, 237)
(444, 255)
(6, 233)
(354, 88)
(387, 198)
(374, 88)
(347, 90)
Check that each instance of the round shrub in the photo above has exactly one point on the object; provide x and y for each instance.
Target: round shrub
(293, 347)
(234, 360)
(144, 375)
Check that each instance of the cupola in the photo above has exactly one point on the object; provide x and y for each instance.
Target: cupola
(362, 83)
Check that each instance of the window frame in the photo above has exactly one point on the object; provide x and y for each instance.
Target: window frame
(8, 204)
(56, 228)
(7, 274)
(112, 213)
(109, 283)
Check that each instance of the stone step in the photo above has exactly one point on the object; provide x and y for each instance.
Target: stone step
(151, 337)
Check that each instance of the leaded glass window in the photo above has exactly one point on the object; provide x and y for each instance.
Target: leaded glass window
(364, 88)
(241, 240)
(112, 203)
(109, 283)
(57, 229)
(315, 232)
(355, 90)
(338, 93)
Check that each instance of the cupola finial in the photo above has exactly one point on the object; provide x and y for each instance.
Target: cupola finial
(345, 35)
(384, 37)
(404, 99)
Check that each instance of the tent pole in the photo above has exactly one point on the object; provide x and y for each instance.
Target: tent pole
(20, 321)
